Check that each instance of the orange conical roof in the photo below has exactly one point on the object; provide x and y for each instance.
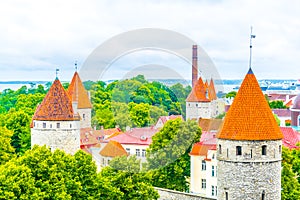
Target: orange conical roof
(199, 92)
(78, 93)
(56, 106)
(249, 116)
(211, 90)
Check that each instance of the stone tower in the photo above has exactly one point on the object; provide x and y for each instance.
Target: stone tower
(202, 101)
(55, 124)
(249, 147)
(80, 101)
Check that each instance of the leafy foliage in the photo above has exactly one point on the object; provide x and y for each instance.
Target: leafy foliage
(167, 156)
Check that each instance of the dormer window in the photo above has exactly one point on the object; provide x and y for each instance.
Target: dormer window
(264, 150)
(238, 150)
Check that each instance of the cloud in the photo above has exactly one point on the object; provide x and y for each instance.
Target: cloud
(36, 36)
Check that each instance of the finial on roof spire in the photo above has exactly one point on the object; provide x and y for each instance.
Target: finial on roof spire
(76, 65)
(56, 73)
(251, 36)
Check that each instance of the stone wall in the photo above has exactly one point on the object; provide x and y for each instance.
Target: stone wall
(166, 194)
(85, 117)
(250, 175)
(65, 137)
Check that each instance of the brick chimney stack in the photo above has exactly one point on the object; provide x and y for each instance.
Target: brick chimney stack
(194, 66)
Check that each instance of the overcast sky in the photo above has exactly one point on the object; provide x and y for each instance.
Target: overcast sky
(38, 36)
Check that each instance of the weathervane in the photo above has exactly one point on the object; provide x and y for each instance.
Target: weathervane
(76, 65)
(56, 72)
(251, 36)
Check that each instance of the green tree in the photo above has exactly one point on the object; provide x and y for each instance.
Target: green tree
(231, 94)
(167, 156)
(6, 150)
(277, 104)
(139, 114)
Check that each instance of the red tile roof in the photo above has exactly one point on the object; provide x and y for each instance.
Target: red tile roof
(290, 137)
(139, 136)
(78, 93)
(211, 90)
(113, 149)
(250, 117)
(56, 106)
(210, 124)
(200, 149)
(164, 119)
(199, 92)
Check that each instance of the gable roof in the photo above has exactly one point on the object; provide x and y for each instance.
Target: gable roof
(249, 116)
(198, 93)
(78, 93)
(113, 149)
(56, 106)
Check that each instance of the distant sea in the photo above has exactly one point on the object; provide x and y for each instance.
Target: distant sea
(15, 85)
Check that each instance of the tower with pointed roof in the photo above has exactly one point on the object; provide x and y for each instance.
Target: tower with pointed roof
(202, 102)
(80, 101)
(249, 147)
(55, 124)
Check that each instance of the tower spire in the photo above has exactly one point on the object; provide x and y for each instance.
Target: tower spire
(251, 36)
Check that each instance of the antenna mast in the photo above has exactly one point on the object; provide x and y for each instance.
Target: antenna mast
(251, 36)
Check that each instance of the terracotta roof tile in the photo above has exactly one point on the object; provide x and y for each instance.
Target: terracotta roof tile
(200, 149)
(56, 106)
(78, 93)
(210, 124)
(212, 91)
(250, 117)
(113, 149)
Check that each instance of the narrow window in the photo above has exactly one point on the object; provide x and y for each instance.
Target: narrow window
(50, 125)
(203, 183)
(238, 150)
(128, 150)
(279, 149)
(212, 190)
(143, 153)
(264, 150)
(216, 190)
(251, 153)
(83, 116)
(33, 124)
(70, 125)
(220, 149)
(227, 153)
(57, 125)
(137, 153)
(44, 125)
(263, 195)
(212, 170)
(213, 156)
(226, 195)
(203, 165)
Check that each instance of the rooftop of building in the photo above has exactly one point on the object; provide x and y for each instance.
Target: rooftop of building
(250, 117)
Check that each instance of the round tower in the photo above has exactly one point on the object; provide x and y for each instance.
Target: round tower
(295, 112)
(249, 147)
(54, 123)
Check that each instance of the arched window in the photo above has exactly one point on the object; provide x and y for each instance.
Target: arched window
(263, 195)
(220, 149)
(264, 150)
(238, 150)
(226, 195)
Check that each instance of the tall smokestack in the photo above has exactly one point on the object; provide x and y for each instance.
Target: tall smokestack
(195, 66)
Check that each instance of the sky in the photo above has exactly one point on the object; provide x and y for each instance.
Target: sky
(36, 37)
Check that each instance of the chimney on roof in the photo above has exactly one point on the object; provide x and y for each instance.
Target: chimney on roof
(194, 65)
